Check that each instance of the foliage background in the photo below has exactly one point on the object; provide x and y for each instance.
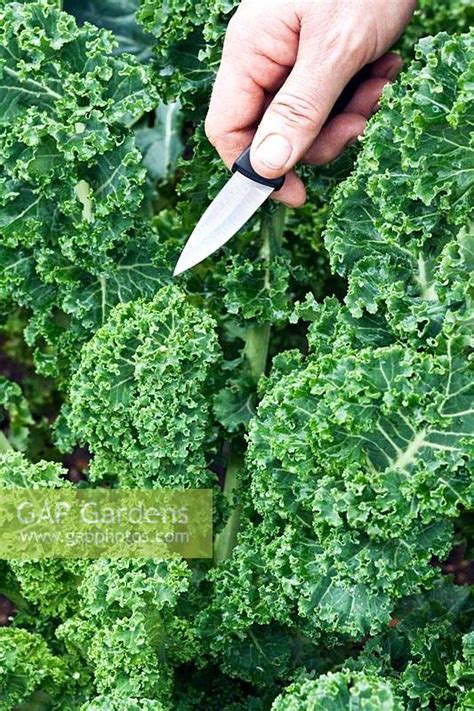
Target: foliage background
(317, 373)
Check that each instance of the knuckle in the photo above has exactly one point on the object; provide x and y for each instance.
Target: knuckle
(298, 111)
(359, 34)
(346, 36)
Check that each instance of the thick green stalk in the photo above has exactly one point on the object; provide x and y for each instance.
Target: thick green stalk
(256, 349)
(258, 335)
(256, 354)
(226, 539)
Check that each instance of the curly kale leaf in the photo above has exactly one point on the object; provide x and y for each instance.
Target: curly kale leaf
(71, 179)
(140, 397)
(359, 466)
(189, 41)
(48, 584)
(461, 674)
(18, 414)
(423, 658)
(422, 647)
(139, 270)
(431, 17)
(338, 692)
(127, 628)
(17, 472)
(118, 16)
(26, 666)
(71, 174)
(400, 224)
(65, 313)
(256, 289)
(235, 404)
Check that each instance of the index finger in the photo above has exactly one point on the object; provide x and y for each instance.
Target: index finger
(235, 107)
(244, 81)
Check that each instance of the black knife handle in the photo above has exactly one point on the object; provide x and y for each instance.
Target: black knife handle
(244, 166)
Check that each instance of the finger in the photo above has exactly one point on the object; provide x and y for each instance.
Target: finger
(293, 192)
(245, 77)
(230, 134)
(230, 146)
(338, 133)
(387, 67)
(366, 99)
(299, 110)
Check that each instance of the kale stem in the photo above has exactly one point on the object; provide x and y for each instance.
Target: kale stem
(256, 349)
(258, 335)
(226, 539)
(5, 445)
(256, 355)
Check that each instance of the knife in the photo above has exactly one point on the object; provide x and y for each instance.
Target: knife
(238, 200)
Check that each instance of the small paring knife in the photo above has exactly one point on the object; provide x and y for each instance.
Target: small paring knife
(238, 200)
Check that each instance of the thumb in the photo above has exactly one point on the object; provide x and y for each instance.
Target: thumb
(299, 110)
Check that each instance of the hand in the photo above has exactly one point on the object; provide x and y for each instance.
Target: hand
(288, 61)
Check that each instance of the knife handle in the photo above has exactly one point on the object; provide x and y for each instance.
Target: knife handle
(244, 166)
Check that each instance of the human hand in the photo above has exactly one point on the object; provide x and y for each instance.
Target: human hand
(288, 61)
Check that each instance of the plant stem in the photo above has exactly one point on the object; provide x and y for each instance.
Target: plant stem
(256, 355)
(226, 539)
(258, 335)
(5, 445)
(256, 349)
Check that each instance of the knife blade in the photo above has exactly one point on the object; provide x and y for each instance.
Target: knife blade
(238, 200)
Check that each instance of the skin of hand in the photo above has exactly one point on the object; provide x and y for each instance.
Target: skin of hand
(284, 64)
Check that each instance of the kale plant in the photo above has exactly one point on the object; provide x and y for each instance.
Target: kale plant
(316, 374)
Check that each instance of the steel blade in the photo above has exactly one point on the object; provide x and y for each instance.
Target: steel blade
(229, 211)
